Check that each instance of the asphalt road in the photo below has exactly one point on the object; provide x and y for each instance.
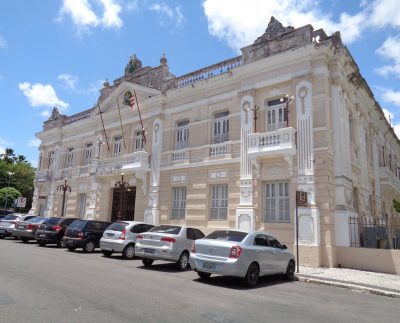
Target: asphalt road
(54, 285)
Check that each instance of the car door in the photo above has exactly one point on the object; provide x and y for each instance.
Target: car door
(190, 237)
(280, 254)
(264, 254)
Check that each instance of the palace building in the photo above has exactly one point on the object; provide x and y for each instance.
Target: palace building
(229, 145)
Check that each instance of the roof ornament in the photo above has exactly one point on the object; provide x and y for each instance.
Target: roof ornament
(274, 30)
(163, 60)
(55, 114)
(133, 65)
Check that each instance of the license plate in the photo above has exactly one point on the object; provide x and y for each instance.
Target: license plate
(42, 235)
(208, 265)
(70, 241)
(149, 250)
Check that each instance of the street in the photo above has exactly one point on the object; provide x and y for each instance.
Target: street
(54, 285)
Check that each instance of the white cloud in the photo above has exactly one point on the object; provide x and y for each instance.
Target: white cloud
(69, 80)
(396, 129)
(35, 142)
(391, 96)
(388, 115)
(391, 51)
(3, 43)
(84, 17)
(42, 95)
(173, 14)
(131, 5)
(385, 13)
(4, 144)
(45, 113)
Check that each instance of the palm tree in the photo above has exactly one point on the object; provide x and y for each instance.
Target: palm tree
(20, 159)
(8, 155)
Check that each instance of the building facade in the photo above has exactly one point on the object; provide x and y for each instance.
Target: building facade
(229, 145)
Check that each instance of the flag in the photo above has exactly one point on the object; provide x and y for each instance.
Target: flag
(132, 102)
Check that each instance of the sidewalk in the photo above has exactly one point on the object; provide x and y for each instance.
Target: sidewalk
(364, 281)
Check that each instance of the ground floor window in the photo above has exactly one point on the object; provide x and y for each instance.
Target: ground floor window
(82, 205)
(276, 202)
(219, 202)
(178, 203)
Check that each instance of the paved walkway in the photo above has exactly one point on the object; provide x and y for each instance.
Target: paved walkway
(365, 281)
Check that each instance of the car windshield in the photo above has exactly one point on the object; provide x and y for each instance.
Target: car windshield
(10, 217)
(77, 224)
(227, 235)
(36, 220)
(170, 229)
(52, 221)
(117, 226)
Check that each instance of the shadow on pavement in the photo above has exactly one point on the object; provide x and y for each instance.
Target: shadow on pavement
(164, 267)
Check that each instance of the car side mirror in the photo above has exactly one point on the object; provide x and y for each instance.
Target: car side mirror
(284, 246)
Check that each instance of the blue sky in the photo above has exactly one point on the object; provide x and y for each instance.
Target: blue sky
(59, 52)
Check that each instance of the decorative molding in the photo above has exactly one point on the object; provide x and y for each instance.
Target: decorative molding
(216, 175)
(178, 178)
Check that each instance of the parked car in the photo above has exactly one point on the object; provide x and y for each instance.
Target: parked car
(85, 234)
(7, 224)
(120, 237)
(167, 242)
(26, 230)
(52, 231)
(241, 254)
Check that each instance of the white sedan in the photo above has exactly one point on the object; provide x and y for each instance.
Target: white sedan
(242, 254)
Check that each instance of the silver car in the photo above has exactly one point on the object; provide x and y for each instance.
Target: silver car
(242, 254)
(120, 237)
(167, 242)
(7, 224)
(26, 230)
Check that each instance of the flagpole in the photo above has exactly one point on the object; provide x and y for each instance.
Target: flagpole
(120, 121)
(102, 122)
(140, 117)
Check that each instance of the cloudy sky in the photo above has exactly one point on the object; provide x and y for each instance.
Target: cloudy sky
(59, 52)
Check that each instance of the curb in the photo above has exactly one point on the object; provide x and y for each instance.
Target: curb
(364, 289)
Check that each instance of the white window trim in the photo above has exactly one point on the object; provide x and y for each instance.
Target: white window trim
(280, 115)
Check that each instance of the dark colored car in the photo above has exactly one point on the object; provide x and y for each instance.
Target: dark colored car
(52, 230)
(85, 234)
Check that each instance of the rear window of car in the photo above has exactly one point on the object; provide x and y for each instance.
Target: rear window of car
(117, 226)
(36, 220)
(10, 217)
(77, 224)
(227, 235)
(170, 229)
(52, 221)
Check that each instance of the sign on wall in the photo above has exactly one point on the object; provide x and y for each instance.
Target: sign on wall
(20, 202)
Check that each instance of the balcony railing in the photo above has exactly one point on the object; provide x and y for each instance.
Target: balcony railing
(138, 160)
(387, 177)
(272, 143)
(43, 175)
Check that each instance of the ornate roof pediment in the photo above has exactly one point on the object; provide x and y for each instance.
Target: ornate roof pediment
(274, 30)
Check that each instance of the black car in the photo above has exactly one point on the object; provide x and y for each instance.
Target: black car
(52, 231)
(85, 234)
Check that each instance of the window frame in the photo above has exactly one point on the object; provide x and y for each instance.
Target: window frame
(276, 110)
(220, 127)
(178, 205)
(276, 202)
(219, 198)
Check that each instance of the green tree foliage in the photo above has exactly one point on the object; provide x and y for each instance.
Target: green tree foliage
(7, 197)
(21, 178)
(396, 205)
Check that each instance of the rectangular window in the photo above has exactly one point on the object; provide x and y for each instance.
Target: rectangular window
(178, 203)
(88, 153)
(182, 134)
(69, 158)
(351, 128)
(138, 140)
(82, 205)
(277, 202)
(276, 115)
(221, 127)
(219, 202)
(117, 146)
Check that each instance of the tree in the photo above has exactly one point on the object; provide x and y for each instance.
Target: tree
(8, 156)
(396, 205)
(7, 196)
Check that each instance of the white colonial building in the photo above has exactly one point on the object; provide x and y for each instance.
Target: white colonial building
(230, 144)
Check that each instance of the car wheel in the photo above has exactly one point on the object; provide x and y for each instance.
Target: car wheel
(70, 248)
(61, 243)
(183, 261)
(290, 270)
(252, 275)
(203, 275)
(1, 237)
(88, 246)
(24, 240)
(41, 244)
(129, 251)
(16, 238)
(107, 253)
(147, 262)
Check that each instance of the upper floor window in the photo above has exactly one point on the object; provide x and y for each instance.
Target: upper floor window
(117, 146)
(69, 158)
(221, 127)
(276, 115)
(88, 153)
(182, 134)
(138, 140)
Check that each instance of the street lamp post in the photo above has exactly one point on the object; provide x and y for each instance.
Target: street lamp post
(286, 99)
(121, 186)
(9, 180)
(64, 188)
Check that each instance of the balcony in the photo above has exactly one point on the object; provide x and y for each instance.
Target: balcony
(43, 175)
(273, 143)
(388, 178)
(137, 161)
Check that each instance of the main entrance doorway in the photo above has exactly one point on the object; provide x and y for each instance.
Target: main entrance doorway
(123, 204)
